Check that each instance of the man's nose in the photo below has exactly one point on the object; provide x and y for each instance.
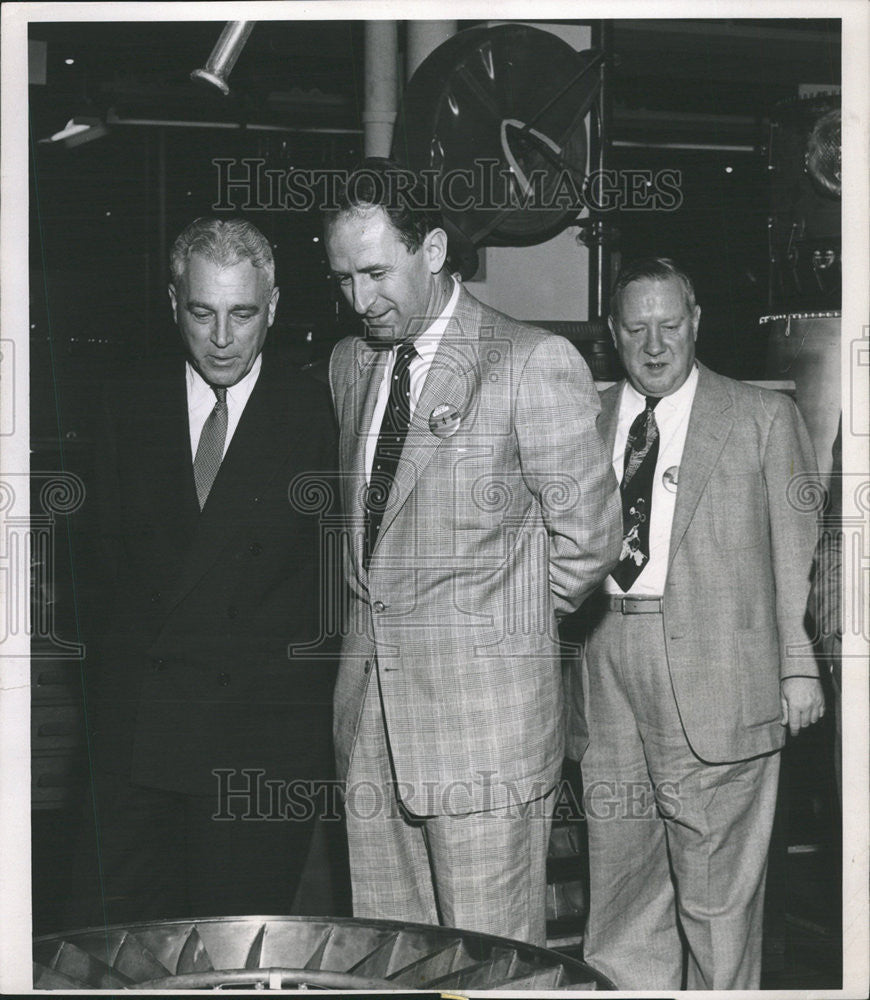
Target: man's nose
(363, 295)
(654, 343)
(222, 334)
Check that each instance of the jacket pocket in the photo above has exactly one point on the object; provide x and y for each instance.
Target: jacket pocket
(758, 676)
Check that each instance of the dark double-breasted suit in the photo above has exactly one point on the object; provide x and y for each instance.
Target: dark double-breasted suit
(191, 642)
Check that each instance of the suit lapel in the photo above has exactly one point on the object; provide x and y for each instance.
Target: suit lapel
(361, 398)
(609, 416)
(709, 427)
(447, 383)
(160, 447)
(365, 375)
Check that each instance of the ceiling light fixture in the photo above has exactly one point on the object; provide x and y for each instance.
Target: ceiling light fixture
(224, 55)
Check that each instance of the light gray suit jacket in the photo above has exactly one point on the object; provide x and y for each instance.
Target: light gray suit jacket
(490, 532)
(741, 551)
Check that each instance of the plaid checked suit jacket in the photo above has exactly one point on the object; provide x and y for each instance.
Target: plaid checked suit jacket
(490, 532)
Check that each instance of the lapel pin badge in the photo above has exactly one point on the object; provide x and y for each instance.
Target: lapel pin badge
(671, 478)
(444, 420)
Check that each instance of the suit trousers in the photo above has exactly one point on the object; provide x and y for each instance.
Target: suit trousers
(483, 871)
(677, 847)
(147, 854)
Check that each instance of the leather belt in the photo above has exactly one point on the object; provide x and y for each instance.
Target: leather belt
(629, 605)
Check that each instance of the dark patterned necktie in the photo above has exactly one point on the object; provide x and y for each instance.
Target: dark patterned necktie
(388, 451)
(210, 450)
(641, 455)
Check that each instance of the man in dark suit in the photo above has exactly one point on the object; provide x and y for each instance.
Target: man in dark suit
(212, 574)
(698, 660)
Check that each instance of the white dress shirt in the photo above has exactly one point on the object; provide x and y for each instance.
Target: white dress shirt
(672, 419)
(201, 400)
(427, 345)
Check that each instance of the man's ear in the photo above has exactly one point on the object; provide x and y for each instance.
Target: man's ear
(696, 319)
(435, 249)
(174, 300)
(273, 304)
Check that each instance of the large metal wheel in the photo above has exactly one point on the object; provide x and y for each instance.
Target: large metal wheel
(303, 952)
(513, 97)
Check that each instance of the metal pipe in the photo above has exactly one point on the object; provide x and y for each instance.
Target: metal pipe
(224, 55)
(162, 231)
(114, 119)
(599, 128)
(714, 146)
(381, 86)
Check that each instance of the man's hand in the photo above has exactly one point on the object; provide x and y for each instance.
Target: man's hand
(803, 702)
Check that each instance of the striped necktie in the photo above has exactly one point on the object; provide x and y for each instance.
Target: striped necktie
(388, 451)
(210, 450)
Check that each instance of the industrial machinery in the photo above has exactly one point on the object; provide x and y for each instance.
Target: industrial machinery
(299, 952)
(805, 240)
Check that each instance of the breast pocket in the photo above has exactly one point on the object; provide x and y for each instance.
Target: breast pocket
(739, 511)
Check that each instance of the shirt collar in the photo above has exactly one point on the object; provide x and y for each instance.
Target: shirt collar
(428, 341)
(199, 390)
(637, 401)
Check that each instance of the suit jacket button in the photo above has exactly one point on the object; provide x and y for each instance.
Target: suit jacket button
(255, 548)
(379, 606)
(224, 680)
(157, 665)
(367, 667)
(232, 611)
(155, 597)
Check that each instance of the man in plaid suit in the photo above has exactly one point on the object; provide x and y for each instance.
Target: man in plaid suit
(495, 511)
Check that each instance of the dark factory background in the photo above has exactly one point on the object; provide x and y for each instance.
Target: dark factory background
(706, 98)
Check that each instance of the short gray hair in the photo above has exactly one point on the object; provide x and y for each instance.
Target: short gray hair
(651, 269)
(224, 242)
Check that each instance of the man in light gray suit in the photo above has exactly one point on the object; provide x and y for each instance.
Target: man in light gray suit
(481, 504)
(697, 659)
